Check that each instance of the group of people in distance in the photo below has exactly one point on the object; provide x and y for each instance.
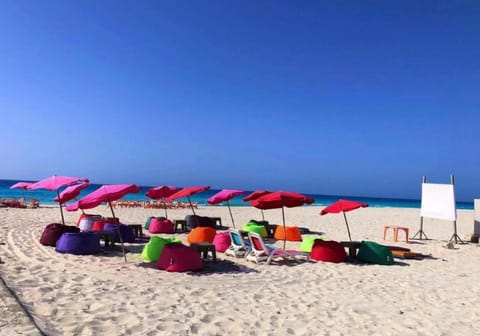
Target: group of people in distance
(19, 203)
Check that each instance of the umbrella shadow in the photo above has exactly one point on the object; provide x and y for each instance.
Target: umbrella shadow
(222, 266)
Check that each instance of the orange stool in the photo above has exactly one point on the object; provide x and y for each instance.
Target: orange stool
(385, 230)
(400, 228)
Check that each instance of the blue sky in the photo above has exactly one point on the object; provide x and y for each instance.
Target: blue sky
(329, 97)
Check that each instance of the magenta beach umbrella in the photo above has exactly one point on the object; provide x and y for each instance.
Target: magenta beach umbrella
(54, 183)
(162, 192)
(187, 192)
(225, 196)
(22, 185)
(70, 193)
(108, 194)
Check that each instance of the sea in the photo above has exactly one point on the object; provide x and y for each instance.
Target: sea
(46, 197)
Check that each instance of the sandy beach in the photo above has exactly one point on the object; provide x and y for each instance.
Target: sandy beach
(102, 295)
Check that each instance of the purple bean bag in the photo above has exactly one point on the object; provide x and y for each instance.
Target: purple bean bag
(80, 243)
(179, 258)
(54, 231)
(161, 226)
(128, 236)
(222, 241)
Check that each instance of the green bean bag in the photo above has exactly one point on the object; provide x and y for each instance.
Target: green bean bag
(257, 228)
(374, 253)
(154, 247)
(307, 243)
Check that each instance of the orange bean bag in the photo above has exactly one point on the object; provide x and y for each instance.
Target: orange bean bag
(201, 235)
(292, 233)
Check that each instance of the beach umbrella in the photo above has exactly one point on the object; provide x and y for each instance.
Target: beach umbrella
(54, 183)
(281, 199)
(343, 206)
(225, 195)
(162, 192)
(70, 193)
(22, 185)
(108, 194)
(254, 195)
(187, 192)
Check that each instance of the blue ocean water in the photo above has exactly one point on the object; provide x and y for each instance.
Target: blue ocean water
(46, 197)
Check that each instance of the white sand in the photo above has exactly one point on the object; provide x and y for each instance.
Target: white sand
(102, 295)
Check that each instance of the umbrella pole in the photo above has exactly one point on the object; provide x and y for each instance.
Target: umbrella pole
(60, 205)
(231, 216)
(165, 206)
(284, 231)
(117, 225)
(191, 205)
(348, 229)
(263, 217)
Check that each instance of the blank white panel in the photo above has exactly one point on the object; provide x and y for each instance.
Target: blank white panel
(438, 201)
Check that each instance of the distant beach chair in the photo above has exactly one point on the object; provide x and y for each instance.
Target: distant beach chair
(34, 203)
(266, 252)
(238, 247)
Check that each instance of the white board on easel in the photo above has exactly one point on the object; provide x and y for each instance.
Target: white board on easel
(476, 224)
(438, 201)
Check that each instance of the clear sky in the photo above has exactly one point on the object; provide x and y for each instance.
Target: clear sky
(336, 97)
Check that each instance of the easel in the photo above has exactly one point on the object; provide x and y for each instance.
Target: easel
(420, 232)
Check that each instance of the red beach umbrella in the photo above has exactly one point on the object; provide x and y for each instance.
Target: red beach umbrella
(254, 195)
(108, 194)
(281, 199)
(224, 196)
(187, 192)
(54, 183)
(343, 206)
(160, 193)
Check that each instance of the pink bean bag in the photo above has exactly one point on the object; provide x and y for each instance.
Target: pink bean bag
(179, 258)
(222, 241)
(328, 250)
(161, 226)
(201, 235)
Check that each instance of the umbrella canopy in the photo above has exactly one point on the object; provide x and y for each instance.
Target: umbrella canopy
(160, 193)
(224, 196)
(254, 195)
(106, 193)
(187, 192)
(281, 199)
(21, 185)
(343, 206)
(70, 192)
(54, 183)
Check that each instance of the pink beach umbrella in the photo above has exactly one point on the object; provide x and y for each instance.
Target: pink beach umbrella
(22, 185)
(254, 195)
(108, 194)
(54, 183)
(161, 192)
(70, 193)
(225, 196)
(187, 192)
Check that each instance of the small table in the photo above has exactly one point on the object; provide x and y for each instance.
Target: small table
(180, 222)
(137, 230)
(353, 246)
(218, 221)
(204, 248)
(108, 237)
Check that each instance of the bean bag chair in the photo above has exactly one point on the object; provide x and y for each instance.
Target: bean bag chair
(154, 247)
(222, 241)
(86, 222)
(374, 253)
(98, 225)
(329, 250)
(307, 243)
(161, 226)
(201, 235)
(257, 228)
(128, 235)
(54, 231)
(179, 258)
(80, 243)
(290, 233)
(194, 221)
(147, 223)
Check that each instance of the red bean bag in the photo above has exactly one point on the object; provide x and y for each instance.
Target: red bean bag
(292, 233)
(201, 235)
(179, 258)
(158, 225)
(328, 250)
(98, 225)
(54, 231)
(222, 241)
